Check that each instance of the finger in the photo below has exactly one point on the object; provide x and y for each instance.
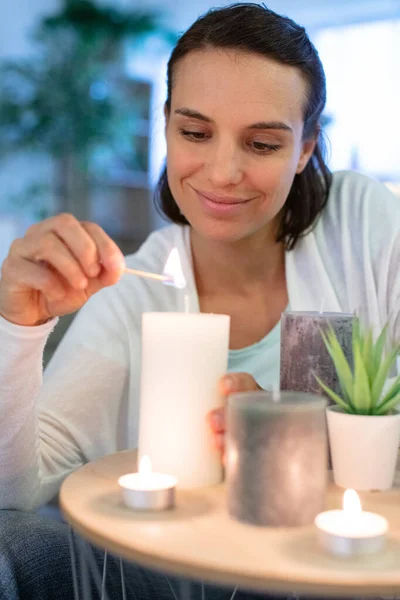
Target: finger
(219, 442)
(110, 256)
(216, 420)
(237, 382)
(24, 273)
(50, 249)
(74, 236)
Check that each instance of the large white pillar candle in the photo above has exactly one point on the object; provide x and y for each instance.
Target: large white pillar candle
(184, 356)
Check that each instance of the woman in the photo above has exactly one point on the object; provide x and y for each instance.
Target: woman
(260, 224)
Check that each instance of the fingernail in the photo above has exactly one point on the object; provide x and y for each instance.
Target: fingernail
(117, 262)
(229, 383)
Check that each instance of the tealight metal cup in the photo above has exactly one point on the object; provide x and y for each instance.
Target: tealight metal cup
(157, 499)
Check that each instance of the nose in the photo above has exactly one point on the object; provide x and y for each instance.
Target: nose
(223, 165)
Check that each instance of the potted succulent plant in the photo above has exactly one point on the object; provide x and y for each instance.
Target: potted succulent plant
(364, 423)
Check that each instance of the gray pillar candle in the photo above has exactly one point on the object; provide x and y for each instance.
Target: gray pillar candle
(276, 453)
(303, 350)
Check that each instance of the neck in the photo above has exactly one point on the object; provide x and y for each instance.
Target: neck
(234, 266)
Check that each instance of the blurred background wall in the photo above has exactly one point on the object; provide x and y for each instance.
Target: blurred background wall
(86, 134)
(359, 43)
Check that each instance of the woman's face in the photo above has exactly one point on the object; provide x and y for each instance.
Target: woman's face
(234, 141)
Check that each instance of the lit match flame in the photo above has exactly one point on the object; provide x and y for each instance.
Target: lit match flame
(173, 270)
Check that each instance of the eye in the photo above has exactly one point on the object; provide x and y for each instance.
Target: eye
(193, 136)
(263, 148)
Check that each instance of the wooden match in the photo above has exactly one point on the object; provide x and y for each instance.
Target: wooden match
(148, 275)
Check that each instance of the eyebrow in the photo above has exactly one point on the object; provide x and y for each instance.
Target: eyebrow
(194, 114)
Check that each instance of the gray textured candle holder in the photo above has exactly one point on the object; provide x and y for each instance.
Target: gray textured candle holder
(276, 458)
(303, 350)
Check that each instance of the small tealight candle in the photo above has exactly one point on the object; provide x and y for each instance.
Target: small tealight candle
(351, 531)
(146, 490)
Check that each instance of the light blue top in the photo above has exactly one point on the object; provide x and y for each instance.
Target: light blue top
(262, 360)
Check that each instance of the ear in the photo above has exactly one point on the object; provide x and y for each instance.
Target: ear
(307, 149)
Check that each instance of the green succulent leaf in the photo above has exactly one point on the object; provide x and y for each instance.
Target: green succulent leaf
(378, 351)
(386, 407)
(383, 374)
(393, 390)
(392, 393)
(337, 399)
(368, 353)
(361, 387)
(341, 364)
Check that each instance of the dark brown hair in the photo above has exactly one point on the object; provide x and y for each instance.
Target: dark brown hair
(253, 28)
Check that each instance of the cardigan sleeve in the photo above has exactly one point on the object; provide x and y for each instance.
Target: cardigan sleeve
(51, 425)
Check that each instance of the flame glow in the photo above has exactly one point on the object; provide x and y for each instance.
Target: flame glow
(173, 270)
(351, 503)
(145, 468)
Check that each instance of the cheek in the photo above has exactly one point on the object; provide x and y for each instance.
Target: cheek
(273, 179)
(181, 166)
(274, 175)
(182, 160)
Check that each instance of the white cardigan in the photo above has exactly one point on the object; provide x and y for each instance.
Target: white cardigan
(87, 405)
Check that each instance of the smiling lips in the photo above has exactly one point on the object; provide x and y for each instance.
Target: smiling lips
(223, 200)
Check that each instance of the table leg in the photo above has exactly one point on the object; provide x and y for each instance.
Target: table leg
(121, 566)
(73, 563)
(89, 567)
(85, 573)
(235, 591)
(103, 582)
(185, 590)
(100, 581)
(171, 588)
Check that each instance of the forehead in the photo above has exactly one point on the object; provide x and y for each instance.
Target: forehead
(238, 84)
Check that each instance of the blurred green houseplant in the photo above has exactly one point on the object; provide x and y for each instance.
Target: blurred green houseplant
(65, 99)
(363, 389)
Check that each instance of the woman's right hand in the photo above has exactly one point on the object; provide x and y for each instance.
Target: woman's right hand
(55, 268)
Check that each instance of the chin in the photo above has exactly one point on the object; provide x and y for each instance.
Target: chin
(222, 231)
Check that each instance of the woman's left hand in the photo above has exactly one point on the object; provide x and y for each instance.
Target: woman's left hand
(229, 384)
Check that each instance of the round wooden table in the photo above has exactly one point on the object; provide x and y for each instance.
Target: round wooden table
(200, 541)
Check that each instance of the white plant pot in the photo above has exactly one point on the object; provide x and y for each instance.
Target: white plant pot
(364, 449)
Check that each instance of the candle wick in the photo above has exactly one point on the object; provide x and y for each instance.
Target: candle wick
(276, 393)
(186, 302)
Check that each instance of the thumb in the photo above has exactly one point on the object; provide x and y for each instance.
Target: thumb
(237, 382)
